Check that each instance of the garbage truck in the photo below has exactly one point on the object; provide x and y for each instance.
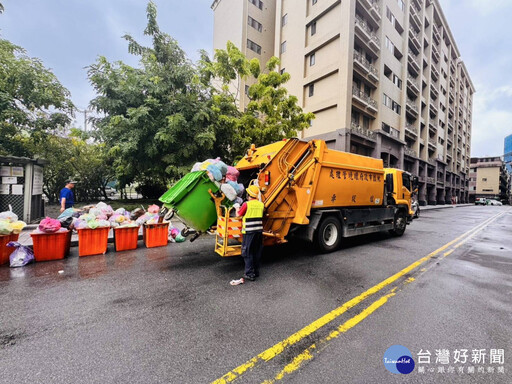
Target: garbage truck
(310, 192)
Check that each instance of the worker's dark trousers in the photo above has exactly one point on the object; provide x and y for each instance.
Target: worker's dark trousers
(252, 246)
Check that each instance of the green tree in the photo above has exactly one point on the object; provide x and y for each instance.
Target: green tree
(77, 156)
(271, 114)
(155, 116)
(32, 100)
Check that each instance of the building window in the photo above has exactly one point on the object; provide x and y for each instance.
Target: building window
(283, 47)
(311, 90)
(390, 46)
(257, 3)
(247, 90)
(313, 28)
(253, 46)
(312, 60)
(390, 103)
(397, 81)
(366, 122)
(253, 23)
(396, 107)
(284, 20)
(401, 4)
(313, 2)
(484, 178)
(394, 21)
(387, 101)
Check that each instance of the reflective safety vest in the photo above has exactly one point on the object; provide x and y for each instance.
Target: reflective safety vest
(253, 218)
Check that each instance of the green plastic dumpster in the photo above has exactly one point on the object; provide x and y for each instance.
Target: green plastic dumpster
(190, 200)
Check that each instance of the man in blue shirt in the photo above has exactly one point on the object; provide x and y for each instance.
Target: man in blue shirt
(67, 198)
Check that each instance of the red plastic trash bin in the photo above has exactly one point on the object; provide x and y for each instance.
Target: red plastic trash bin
(156, 235)
(50, 246)
(126, 238)
(6, 251)
(92, 241)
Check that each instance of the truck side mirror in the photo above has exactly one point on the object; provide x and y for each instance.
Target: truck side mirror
(415, 184)
(389, 183)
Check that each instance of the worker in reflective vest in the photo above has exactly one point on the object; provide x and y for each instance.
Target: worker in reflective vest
(252, 231)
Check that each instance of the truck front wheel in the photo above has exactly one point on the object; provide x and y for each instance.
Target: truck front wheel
(399, 224)
(328, 235)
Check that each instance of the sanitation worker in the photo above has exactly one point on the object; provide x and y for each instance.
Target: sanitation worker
(252, 230)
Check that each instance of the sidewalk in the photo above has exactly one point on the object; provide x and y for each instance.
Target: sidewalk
(429, 207)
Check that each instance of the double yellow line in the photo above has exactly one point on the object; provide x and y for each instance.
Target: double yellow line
(308, 353)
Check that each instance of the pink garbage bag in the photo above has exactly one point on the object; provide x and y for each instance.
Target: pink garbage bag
(232, 174)
(49, 225)
(153, 208)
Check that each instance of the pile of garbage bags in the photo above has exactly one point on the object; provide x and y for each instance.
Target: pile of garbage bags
(224, 176)
(9, 223)
(102, 215)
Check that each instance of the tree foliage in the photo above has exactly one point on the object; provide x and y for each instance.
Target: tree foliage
(32, 100)
(271, 114)
(155, 116)
(164, 115)
(75, 156)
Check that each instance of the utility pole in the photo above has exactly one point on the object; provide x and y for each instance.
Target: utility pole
(85, 112)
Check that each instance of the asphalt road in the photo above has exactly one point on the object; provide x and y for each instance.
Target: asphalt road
(169, 315)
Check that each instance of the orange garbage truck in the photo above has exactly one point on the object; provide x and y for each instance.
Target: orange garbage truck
(318, 194)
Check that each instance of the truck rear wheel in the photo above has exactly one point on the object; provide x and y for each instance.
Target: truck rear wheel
(399, 223)
(328, 235)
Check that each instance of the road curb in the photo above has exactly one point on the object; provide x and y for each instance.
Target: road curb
(432, 207)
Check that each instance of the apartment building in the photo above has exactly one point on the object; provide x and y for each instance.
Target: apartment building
(488, 178)
(384, 79)
(250, 26)
(507, 150)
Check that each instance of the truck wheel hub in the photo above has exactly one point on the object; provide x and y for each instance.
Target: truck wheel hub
(330, 234)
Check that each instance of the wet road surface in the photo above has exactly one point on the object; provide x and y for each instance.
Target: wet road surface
(169, 315)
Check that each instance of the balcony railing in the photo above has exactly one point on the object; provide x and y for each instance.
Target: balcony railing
(435, 72)
(411, 128)
(364, 26)
(431, 180)
(415, 38)
(414, 82)
(433, 109)
(356, 128)
(410, 152)
(366, 64)
(431, 161)
(414, 33)
(434, 91)
(432, 141)
(362, 96)
(414, 57)
(412, 105)
(435, 52)
(375, 8)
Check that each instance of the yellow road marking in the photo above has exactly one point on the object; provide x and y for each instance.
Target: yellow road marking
(307, 353)
(278, 348)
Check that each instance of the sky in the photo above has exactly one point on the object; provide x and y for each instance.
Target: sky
(69, 35)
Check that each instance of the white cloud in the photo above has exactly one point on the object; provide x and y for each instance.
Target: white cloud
(491, 122)
(490, 6)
